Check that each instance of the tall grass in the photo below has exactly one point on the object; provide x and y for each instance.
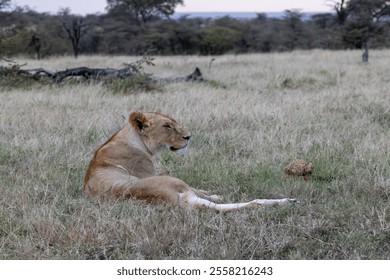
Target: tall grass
(253, 115)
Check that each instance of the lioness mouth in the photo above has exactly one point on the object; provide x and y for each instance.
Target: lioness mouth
(173, 149)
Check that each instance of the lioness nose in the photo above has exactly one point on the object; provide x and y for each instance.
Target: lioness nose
(187, 137)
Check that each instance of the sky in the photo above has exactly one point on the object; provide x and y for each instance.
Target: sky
(98, 6)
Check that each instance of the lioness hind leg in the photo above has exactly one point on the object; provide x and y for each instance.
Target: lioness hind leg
(196, 202)
(206, 195)
(158, 188)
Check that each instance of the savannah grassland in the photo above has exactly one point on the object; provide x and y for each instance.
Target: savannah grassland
(252, 116)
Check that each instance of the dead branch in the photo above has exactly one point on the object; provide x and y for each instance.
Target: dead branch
(195, 76)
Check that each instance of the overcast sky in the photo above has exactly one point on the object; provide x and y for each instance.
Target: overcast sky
(95, 6)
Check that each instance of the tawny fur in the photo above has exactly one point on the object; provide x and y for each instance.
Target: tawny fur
(123, 168)
(300, 168)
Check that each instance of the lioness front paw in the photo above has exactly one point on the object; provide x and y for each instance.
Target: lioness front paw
(293, 201)
(216, 198)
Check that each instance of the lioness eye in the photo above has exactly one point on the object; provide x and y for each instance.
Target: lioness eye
(167, 125)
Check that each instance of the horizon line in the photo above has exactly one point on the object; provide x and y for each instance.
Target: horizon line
(250, 11)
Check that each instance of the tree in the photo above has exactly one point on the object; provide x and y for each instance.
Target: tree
(4, 4)
(4, 37)
(369, 10)
(341, 10)
(144, 10)
(366, 20)
(74, 27)
(35, 44)
(359, 20)
(294, 30)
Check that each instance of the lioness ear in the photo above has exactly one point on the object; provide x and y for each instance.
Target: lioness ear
(159, 112)
(138, 120)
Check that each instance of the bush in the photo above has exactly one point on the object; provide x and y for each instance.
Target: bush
(218, 40)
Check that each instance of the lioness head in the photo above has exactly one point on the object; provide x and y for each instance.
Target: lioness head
(159, 131)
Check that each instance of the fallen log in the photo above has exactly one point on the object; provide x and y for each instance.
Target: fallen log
(102, 74)
(85, 72)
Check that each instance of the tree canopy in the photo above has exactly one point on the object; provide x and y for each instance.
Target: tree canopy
(144, 10)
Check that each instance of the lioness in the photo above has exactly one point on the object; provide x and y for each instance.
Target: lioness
(123, 168)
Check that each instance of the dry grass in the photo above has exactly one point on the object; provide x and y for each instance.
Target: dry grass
(253, 115)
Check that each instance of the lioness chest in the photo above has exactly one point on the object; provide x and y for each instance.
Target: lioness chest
(135, 161)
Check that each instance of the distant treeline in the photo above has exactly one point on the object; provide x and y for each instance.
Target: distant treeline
(25, 31)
